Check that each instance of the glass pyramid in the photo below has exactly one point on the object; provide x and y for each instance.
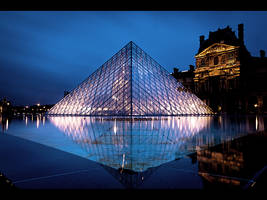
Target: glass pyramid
(130, 83)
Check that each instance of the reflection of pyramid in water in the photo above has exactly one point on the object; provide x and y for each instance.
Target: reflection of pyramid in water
(130, 179)
(133, 144)
(130, 83)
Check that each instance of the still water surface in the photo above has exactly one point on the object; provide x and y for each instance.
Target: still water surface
(132, 143)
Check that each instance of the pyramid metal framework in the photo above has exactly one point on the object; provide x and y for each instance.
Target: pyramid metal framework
(130, 83)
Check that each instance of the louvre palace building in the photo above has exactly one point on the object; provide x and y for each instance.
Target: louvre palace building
(226, 76)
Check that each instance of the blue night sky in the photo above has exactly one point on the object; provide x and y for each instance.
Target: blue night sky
(44, 53)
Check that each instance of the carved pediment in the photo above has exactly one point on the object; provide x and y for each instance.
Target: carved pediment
(217, 47)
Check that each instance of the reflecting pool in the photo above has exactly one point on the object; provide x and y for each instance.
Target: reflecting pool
(135, 144)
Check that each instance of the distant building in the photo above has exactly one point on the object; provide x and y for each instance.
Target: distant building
(33, 109)
(227, 77)
(185, 77)
(5, 106)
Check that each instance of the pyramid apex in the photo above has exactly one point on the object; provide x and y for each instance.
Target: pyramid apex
(131, 42)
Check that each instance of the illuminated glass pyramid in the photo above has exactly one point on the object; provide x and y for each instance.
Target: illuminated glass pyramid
(130, 83)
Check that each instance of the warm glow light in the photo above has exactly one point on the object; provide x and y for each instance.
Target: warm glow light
(115, 128)
(43, 120)
(255, 105)
(257, 123)
(123, 160)
(37, 121)
(7, 124)
(38, 104)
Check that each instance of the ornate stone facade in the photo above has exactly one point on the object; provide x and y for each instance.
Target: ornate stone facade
(217, 73)
(226, 76)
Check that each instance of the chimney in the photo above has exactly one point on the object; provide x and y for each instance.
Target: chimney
(201, 39)
(241, 32)
(262, 53)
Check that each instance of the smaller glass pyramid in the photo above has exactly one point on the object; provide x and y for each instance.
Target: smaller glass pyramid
(130, 83)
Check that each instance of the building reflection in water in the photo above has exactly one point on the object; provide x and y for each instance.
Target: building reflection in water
(4, 123)
(26, 120)
(221, 165)
(141, 143)
(234, 163)
(35, 119)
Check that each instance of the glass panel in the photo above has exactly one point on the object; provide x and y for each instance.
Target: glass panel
(130, 83)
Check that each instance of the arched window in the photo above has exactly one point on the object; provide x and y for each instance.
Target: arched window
(230, 56)
(223, 59)
(216, 60)
(202, 62)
